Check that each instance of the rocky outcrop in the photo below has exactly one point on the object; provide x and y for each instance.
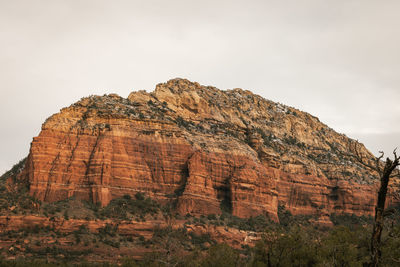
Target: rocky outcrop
(204, 149)
(145, 229)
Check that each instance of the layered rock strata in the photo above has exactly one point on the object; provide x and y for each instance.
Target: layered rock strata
(145, 229)
(203, 149)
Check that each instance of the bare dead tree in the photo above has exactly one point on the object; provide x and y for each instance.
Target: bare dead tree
(385, 169)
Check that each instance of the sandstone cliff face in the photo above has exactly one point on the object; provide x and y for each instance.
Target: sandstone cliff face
(204, 149)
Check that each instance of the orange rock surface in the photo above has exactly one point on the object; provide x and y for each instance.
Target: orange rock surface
(221, 234)
(201, 148)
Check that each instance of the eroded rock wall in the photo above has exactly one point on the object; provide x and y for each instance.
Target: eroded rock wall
(203, 149)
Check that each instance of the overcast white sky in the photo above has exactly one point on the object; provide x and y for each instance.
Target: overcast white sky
(338, 60)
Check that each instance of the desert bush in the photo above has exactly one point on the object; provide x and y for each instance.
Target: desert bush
(125, 207)
(221, 255)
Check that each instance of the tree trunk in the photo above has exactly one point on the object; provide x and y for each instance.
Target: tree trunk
(384, 173)
(379, 212)
(378, 224)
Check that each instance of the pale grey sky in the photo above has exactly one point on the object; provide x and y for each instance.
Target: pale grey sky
(338, 60)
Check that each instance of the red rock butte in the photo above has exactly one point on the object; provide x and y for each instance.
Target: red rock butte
(201, 148)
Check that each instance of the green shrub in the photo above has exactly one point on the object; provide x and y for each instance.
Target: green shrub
(221, 255)
(125, 208)
(108, 230)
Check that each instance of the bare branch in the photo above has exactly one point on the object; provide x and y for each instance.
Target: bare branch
(396, 197)
(395, 260)
(396, 160)
(356, 153)
(378, 161)
(395, 173)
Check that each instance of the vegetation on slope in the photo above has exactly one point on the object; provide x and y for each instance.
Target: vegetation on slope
(294, 246)
(295, 241)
